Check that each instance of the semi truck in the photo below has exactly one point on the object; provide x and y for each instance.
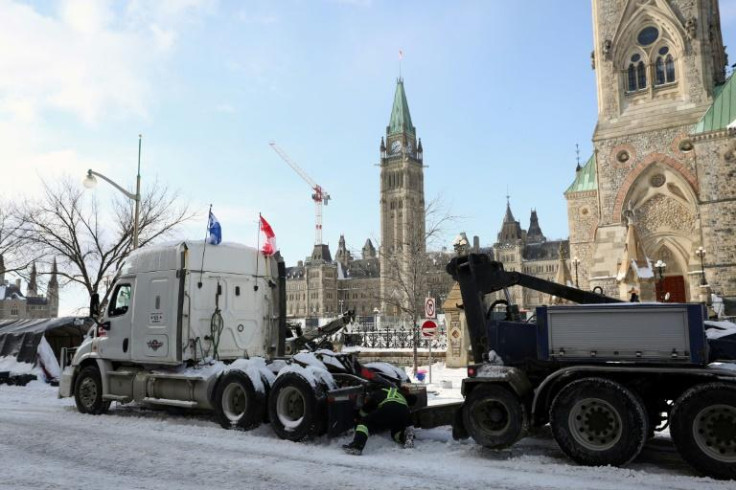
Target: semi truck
(603, 374)
(204, 327)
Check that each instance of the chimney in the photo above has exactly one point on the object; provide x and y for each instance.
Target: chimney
(476, 243)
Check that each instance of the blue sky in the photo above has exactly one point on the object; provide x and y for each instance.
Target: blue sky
(499, 91)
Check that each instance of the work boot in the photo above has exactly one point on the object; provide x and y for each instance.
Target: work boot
(353, 449)
(409, 437)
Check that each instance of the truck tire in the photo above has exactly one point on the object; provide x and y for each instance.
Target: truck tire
(599, 422)
(88, 392)
(237, 403)
(296, 409)
(703, 429)
(494, 416)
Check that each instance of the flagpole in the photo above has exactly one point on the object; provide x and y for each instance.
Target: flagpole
(258, 249)
(204, 247)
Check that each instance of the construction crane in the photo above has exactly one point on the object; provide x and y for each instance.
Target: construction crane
(319, 196)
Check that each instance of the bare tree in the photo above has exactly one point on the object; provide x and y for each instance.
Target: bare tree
(13, 256)
(408, 267)
(89, 245)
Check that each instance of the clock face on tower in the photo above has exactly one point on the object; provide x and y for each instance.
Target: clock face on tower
(395, 147)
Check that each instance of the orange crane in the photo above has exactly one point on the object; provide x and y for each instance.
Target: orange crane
(319, 196)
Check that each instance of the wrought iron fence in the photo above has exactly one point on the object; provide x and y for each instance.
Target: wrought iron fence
(390, 333)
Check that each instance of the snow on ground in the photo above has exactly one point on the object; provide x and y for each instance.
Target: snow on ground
(46, 444)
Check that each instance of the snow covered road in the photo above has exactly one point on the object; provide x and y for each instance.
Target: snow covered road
(46, 444)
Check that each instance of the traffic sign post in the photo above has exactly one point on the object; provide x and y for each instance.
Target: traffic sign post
(430, 308)
(429, 331)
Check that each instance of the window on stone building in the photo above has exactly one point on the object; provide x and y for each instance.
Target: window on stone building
(636, 74)
(664, 67)
(13, 311)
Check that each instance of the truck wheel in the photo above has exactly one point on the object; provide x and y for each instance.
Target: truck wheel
(598, 422)
(88, 392)
(703, 429)
(295, 408)
(494, 416)
(237, 403)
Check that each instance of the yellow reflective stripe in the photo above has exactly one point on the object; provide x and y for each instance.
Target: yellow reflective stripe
(393, 395)
(362, 428)
(397, 437)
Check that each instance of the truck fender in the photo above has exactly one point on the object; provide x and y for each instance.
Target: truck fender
(104, 366)
(551, 385)
(515, 378)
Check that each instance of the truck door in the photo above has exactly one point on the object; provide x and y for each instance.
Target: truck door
(116, 345)
(155, 337)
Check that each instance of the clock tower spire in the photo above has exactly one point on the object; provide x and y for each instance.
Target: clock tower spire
(402, 198)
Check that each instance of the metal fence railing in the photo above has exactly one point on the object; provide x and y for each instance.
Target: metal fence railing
(390, 333)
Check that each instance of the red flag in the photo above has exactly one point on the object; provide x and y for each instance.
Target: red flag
(269, 246)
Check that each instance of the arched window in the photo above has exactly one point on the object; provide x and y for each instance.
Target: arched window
(660, 71)
(670, 68)
(636, 75)
(641, 75)
(665, 67)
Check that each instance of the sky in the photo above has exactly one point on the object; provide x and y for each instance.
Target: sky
(500, 93)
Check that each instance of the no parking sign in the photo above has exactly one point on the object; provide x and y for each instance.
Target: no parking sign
(430, 310)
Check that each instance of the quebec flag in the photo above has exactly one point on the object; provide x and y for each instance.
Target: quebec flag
(214, 231)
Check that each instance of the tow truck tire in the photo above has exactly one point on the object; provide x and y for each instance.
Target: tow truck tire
(237, 403)
(88, 392)
(494, 416)
(597, 422)
(297, 410)
(703, 429)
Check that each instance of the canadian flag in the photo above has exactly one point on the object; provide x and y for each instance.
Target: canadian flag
(269, 246)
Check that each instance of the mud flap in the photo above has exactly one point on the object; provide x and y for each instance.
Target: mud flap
(458, 427)
(342, 409)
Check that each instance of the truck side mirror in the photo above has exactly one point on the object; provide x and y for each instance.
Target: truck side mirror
(94, 305)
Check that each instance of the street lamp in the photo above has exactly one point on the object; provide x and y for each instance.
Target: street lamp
(90, 181)
(660, 266)
(575, 263)
(700, 252)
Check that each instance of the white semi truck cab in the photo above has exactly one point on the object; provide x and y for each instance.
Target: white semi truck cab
(197, 326)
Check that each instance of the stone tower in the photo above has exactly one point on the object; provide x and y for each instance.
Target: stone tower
(402, 198)
(659, 67)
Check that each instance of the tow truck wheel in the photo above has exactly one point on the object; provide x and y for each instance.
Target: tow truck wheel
(598, 422)
(238, 404)
(296, 409)
(703, 429)
(88, 392)
(494, 416)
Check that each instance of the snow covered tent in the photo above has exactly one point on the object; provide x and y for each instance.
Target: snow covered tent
(25, 340)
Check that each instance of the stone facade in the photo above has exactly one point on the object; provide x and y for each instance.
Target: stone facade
(657, 166)
(14, 305)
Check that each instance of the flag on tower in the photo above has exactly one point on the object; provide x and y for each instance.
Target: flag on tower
(214, 230)
(269, 246)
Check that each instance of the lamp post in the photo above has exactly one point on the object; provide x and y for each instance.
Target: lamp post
(575, 263)
(90, 181)
(700, 252)
(660, 266)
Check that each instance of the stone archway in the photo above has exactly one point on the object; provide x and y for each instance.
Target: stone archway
(663, 204)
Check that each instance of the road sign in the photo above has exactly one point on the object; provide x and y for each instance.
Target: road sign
(429, 308)
(429, 329)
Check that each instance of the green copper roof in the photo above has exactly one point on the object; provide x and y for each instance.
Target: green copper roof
(723, 110)
(400, 117)
(586, 178)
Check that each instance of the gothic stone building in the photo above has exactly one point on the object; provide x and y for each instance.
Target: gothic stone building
(659, 185)
(14, 305)
(529, 251)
